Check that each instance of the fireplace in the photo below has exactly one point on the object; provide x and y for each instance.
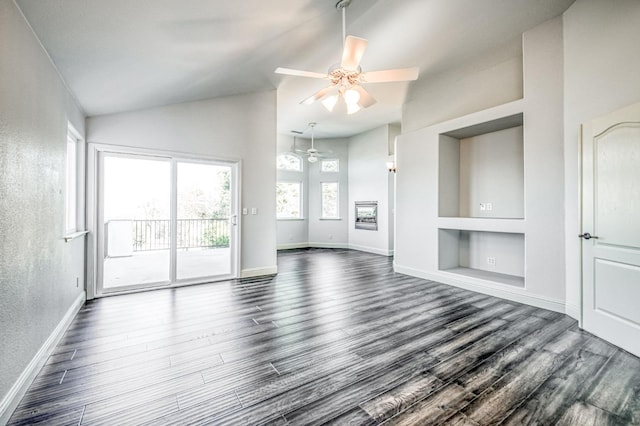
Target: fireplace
(367, 215)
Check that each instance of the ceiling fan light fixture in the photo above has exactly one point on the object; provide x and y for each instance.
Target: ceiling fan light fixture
(346, 77)
(351, 97)
(352, 108)
(330, 102)
(312, 159)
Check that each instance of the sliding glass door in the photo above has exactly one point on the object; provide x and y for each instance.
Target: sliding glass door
(203, 220)
(136, 205)
(164, 221)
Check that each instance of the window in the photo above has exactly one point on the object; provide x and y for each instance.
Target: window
(330, 203)
(289, 200)
(71, 184)
(289, 161)
(330, 166)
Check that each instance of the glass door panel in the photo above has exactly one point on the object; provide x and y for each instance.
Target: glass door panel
(203, 220)
(136, 211)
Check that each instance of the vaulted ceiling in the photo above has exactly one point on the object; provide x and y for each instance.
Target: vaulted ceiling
(121, 55)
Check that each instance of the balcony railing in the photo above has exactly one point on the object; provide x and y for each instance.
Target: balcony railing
(154, 234)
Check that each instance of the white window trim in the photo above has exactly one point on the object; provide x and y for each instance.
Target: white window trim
(330, 171)
(74, 231)
(300, 183)
(337, 201)
(95, 244)
(291, 170)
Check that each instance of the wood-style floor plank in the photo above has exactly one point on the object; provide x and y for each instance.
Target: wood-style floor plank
(617, 389)
(547, 403)
(337, 337)
(584, 414)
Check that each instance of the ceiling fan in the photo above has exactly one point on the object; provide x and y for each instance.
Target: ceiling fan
(312, 153)
(347, 77)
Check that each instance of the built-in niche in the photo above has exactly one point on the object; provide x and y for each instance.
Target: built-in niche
(366, 216)
(490, 256)
(481, 170)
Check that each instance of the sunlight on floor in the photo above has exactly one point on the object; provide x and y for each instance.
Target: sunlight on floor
(153, 266)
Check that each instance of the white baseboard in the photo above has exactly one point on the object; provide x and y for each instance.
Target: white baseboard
(335, 245)
(373, 250)
(516, 295)
(20, 387)
(291, 246)
(258, 272)
(328, 245)
(311, 245)
(573, 311)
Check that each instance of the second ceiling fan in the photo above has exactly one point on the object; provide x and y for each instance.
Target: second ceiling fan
(347, 77)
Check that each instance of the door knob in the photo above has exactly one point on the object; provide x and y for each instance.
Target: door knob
(587, 236)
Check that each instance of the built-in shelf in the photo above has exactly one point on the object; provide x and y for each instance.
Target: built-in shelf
(493, 277)
(482, 224)
(491, 256)
(481, 170)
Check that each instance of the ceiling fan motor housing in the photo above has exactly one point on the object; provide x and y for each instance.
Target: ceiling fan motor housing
(342, 4)
(344, 78)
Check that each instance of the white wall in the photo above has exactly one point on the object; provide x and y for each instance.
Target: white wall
(41, 276)
(293, 233)
(312, 231)
(329, 233)
(492, 171)
(395, 129)
(363, 177)
(543, 153)
(417, 178)
(475, 247)
(235, 127)
(494, 78)
(601, 69)
(369, 180)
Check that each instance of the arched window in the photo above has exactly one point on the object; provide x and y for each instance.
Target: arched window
(289, 161)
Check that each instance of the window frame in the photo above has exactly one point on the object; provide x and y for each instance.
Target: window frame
(326, 160)
(322, 201)
(72, 181)
(301, 198)
(296, 156)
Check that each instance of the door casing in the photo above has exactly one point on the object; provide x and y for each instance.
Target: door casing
(602, 250)
(94, 152)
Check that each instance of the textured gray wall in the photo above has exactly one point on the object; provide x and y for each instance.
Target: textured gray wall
(38, 269)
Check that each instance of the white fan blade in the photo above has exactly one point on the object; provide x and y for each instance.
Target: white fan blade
(366, 100)
(354, 48)
(300, 73)
(401, 74)
(319, 95)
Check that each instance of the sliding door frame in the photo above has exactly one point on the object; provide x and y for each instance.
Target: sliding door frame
(95, 240)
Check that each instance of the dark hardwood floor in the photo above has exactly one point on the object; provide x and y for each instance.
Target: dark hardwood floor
(335, 338)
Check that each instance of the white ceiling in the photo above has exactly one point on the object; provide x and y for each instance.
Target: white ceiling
(121, 55)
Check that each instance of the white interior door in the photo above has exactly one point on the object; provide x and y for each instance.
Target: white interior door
(611, 227)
